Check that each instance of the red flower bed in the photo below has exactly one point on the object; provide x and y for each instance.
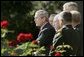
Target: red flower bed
(4, 24)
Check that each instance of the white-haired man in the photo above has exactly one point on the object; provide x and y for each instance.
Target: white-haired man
(47, 32)
(67, 34)
(57, 22)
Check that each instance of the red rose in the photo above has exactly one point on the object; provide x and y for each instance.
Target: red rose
(34, 42)
(21, 37)
(24, 37)
(28, 36)
(57, 54)
(4, 24)
(12, 43)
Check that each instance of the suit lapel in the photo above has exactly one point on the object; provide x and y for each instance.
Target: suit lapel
(41, 31)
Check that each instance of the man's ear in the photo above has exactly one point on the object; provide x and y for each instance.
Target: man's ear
(44, 19)
(63, 22)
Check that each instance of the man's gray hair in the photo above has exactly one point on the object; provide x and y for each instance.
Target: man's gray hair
(76, 16)
(70, 6)
(52, 16)
(57, 22)
(42, 13)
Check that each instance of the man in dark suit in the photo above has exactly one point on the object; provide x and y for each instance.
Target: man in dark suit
(69, 35)
(47, 32)
(76, 18)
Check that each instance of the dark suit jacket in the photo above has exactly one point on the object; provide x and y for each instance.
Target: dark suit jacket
(79, 29)
(46, 35)
(70, 37)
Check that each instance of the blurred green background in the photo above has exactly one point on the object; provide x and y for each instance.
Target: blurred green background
(20, 14)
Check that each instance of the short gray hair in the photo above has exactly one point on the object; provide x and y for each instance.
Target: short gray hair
(52, 16)
(70, 6)
(42, 13)
(76, 16)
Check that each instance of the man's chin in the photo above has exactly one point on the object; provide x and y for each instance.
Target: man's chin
(37, 25)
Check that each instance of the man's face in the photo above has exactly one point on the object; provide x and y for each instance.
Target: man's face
(57, 23)
(38, 20)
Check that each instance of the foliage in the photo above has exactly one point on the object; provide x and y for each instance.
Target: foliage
(21, 14)
(16, 48)
(23, 49)
(62, 50)
(20, 17)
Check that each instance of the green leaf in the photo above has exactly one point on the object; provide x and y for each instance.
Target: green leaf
(27, 52)
(31, 45)
(23, 46)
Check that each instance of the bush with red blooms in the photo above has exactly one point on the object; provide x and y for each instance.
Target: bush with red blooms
(57, 54)
(22, 37)
(4, 24)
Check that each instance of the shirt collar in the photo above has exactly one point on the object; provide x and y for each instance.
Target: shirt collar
(43, 25)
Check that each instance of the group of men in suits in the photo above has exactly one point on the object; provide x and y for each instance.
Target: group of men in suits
(69, 28)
